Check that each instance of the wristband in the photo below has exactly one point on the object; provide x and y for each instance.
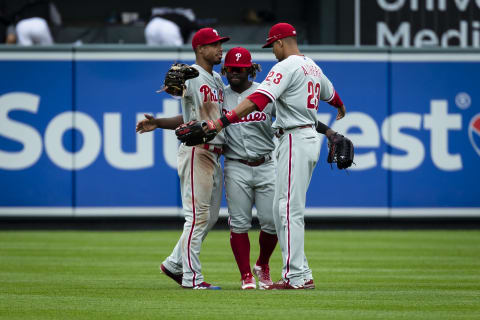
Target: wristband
(228, 118)
(321, 127)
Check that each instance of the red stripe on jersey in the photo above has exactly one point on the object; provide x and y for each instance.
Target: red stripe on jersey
(268, 94)
(335, 101)
(331, 98)
(288, 203)
(261, 100)
(193, 222)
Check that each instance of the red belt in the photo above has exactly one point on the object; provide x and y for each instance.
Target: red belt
(212, 148)
(255, 163)
(281, 131)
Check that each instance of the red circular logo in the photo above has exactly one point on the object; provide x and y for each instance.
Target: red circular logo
(474, 133)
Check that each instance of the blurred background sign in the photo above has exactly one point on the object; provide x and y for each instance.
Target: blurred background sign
(418, 23)
(68, 144)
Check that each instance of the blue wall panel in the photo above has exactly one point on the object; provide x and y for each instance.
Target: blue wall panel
(363, 88)
(44, 88)
(124, 88)
(448, 174)
(415, 125)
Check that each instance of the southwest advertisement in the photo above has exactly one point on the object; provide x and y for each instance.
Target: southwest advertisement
(68, 145)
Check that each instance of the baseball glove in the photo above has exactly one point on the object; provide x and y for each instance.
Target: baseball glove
(340, 151)
(196, 132)
(175, 78)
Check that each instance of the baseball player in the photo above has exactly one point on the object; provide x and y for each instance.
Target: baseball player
(249, 170)
(296, 84)
(198, 166)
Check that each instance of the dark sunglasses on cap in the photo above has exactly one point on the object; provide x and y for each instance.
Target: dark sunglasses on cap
(236, 69)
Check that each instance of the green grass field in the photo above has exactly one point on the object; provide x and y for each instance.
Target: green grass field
(359, 275)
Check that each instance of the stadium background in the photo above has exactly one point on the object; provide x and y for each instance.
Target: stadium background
(406, 70)
(70, 159)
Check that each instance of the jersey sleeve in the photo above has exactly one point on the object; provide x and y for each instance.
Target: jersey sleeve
(276, 82)
(189, 84)
(327, 91)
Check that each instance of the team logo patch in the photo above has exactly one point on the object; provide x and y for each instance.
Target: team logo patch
(474, 133)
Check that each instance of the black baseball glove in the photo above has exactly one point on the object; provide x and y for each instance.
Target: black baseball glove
(196, 132)
(175, 78)
(340, 151)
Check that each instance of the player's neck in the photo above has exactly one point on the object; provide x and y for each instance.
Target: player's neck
(205, 65)
(292, 51)
(241, 87)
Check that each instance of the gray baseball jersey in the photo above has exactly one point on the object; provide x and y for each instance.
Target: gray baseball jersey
(203, 99)
(250, 139)
(297, 85)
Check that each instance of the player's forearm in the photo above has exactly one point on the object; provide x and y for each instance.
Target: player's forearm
(169, 123)
(244, 108)
(330, 133)
(324, 129)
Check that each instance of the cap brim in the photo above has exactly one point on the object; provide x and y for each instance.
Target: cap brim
(269, 43)
(238, 65)
(222, 39)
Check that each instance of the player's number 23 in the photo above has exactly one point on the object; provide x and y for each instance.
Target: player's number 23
(276, 79)
(313, 94)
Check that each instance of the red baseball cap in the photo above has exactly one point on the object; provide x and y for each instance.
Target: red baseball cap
(238, 57)
(206, 36)
(279, 31)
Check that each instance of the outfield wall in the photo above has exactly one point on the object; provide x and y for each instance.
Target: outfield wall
(68, 146)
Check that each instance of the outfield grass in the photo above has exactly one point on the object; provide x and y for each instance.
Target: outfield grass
(359, 275)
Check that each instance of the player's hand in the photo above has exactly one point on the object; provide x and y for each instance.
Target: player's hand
(341, 112)
(174, 83)
(196, 132)
(146, 125)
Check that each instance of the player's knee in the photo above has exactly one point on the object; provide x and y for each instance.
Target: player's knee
(211, 223)
(239, 230)
(240, 227)
(270, 229)
(267, 225)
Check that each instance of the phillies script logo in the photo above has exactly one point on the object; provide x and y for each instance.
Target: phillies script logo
(256, 116)
(474, 133)
(211, 95)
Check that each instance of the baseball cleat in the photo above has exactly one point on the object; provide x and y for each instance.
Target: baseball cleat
(263, 274)
(203, 286)
(282, 285)
(309, 284)
(248, 282)
(175, 277)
